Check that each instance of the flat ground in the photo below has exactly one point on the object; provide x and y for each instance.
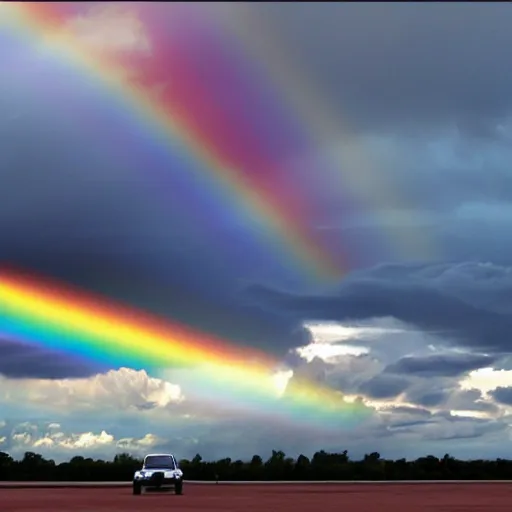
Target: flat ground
(480, 497)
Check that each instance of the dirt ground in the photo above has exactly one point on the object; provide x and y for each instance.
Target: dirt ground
(271, 498)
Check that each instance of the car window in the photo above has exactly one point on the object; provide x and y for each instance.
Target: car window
(159, 461)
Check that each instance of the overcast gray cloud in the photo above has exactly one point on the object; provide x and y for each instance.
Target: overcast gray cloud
(384, 386)
(440, 365)
(386, 65)
(503, 395)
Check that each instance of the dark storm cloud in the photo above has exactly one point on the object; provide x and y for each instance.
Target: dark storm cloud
(430, 399)
(384, 386)
(26, 361)
(457, 302)
(502, 395)
(447, 365)
(386, 64)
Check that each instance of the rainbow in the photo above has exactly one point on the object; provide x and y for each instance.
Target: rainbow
(43, 312)
(228, 117)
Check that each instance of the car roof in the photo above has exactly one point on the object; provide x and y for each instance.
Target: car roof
(159, 455)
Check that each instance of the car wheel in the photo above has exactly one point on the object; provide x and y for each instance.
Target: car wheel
(178, 487)
(137, 488)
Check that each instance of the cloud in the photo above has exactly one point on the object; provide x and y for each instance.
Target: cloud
(440, 365)
(48, 441)
(119, 390)
(111, 28)
(487, 379)
(327, 351)
(131, 444)
(384, 386)
(406, 370)
(460, 301)
(502, 395)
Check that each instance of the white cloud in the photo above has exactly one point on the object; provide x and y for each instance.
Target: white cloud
(111, 28)
(48, 440)
(470, 414)
(328, 352)
(332, 332)
(122, 389)
(328, 340)
(45, 441)
(24, 438)
(487, 379)
(87, 440)
(132, 444)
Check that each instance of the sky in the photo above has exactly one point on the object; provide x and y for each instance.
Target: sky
(322, 184)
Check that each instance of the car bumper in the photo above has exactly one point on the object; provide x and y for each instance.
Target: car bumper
(147, 482)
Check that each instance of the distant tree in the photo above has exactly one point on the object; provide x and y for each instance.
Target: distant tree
(322, 466)
(302, 468)
(6, 463)
(256, 461)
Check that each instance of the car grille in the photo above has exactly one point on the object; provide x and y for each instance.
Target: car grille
(157, 478)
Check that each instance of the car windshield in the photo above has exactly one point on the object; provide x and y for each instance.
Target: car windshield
(159, 461)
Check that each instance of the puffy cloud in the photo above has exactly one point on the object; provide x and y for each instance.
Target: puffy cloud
(132, 444)
(85, 440)
(49, 440)
(122, 389)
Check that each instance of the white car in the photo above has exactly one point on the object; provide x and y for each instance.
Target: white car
(159, 471)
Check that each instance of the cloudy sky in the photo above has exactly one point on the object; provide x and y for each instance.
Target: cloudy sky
(380, 133)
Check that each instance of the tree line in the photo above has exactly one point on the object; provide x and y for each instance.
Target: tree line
(322, 466)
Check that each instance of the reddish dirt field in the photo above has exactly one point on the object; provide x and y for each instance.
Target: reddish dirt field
(270, 498)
